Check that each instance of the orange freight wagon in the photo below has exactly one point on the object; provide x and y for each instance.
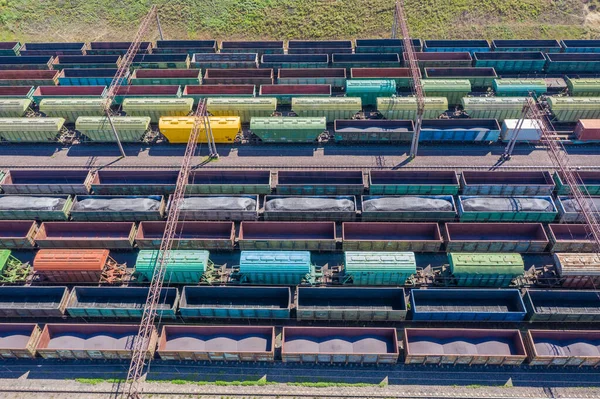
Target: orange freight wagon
(77, 265)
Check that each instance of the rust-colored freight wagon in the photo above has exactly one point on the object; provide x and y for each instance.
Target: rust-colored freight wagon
(217, 343)
(102, 235)
(75, 265)
(19, 340)
(339, 345)
(375, 236)
(188, 235)
(455, 346)
(310, 236)
(563, 348)
(91, 341)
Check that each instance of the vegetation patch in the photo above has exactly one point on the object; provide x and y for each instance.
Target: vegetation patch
(106, 20)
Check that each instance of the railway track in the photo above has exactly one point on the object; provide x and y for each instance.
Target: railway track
(295, 167)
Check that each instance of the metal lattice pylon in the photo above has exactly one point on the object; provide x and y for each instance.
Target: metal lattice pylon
(560, 161)
(124, 66)
(142, 340)
(415, 73)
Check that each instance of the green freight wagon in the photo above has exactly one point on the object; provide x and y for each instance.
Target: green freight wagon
(181, 77)
(57, 207)
(10, 49)
(370, 89)
(154, 108)
(588, 87)
(485, 270)
(184, 266)
(571, 109)
(378, 268)
(276, 267)
(119, 302)
(72, 108)
(32, 130)
(129, 128)
(484, 208)
(14, 107)
(519, 87)
(331, 108)
(453, 90)
(288, 129)
(401, 76)
(590, 180)
(245, 108)
(335, 77)
(406, 107)
(499, 108)
(161, 61)
(481, 78)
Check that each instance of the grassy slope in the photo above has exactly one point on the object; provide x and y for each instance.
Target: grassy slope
(87, 20)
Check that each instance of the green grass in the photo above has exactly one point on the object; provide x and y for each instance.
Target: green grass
(100, 20)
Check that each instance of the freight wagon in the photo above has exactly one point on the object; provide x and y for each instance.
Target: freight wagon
(335, 77)
(334, 345)
(189, 235)
(500, 237)
(28, 78)
(165, 77)
(225, 129)
(382, 236)
(71, 109)
(18, 234)
(89, 77)
(399, 182)
(445, 346)
(467, 305)
(441, 60)
(373, 131)
(238, 76)
(91, 341)
(217, 343)
(119, 302)
(311, 236)
(45, 181)
(351, 304)
(235, 303)
(260, 47)
(401, 76)
(134, 182)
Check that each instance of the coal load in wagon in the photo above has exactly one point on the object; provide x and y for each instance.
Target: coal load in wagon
(32, 203)
(309, 204)
(118, 205)
(408, 203)
(218, 203)
(483, 204)
(572, 205)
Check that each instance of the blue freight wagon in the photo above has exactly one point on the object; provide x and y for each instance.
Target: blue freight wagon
(460, 130)
(467, 305)
(453, 46)
(235, 302)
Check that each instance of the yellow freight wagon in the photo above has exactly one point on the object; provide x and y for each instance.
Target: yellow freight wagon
(178, 129)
